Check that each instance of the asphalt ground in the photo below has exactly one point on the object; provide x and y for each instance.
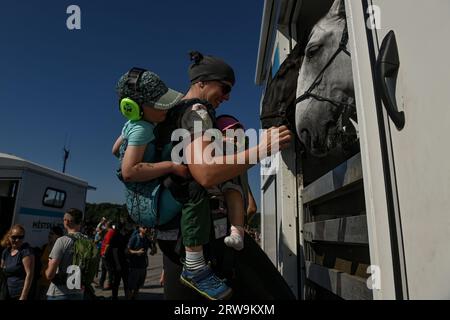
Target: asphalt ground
(151, 289)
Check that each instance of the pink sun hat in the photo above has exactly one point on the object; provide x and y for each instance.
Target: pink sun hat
(225, 122)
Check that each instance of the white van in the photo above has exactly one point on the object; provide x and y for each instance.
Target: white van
(385, 210)
(36, 197)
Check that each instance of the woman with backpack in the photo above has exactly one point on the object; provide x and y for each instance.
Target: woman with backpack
(17, 263)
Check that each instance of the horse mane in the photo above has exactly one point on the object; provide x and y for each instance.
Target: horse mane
(282, 89)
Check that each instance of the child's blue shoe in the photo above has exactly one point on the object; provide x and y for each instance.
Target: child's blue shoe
(205, 282)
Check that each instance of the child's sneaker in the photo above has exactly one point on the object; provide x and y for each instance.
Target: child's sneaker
(205, 282)
(234, 241)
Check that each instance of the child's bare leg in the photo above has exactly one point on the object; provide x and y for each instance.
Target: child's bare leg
(235, 206)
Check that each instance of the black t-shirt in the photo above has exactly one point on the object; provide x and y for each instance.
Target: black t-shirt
(136, 243)
(15, 270)
(119, 242)
(196, 113)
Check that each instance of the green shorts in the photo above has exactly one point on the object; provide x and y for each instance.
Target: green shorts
(196, 222)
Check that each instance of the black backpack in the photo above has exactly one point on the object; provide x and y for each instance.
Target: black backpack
(182, 189)
(37, 261)
(163, 131)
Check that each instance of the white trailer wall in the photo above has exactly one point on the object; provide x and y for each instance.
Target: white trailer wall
(34, 215)
(279, 192)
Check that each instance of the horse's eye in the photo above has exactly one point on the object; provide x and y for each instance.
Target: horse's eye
(312, 50)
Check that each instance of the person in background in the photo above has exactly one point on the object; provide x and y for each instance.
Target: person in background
(102, 225)
(18, 263)
(61, 258)
(43, 283)
(118, 262)
(138, 261)
(98, 240)
(105, 253)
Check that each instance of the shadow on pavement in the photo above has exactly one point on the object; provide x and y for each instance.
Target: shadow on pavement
(150, 296)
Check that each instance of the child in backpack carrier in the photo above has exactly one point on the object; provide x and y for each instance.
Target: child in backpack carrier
(144, 101)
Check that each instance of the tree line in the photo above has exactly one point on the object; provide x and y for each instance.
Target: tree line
(114, 212)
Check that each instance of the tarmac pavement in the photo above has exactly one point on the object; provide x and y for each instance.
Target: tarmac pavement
(151, 289)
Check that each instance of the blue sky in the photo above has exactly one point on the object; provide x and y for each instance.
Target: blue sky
(57, 83)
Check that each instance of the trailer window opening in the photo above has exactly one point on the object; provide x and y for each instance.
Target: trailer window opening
(54, 198)
(8, 188)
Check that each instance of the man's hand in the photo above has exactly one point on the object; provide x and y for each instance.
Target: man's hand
(273, 140)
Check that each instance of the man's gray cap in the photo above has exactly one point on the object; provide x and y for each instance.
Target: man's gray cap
(209, 68)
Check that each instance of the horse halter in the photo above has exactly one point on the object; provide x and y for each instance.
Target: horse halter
(308, 93)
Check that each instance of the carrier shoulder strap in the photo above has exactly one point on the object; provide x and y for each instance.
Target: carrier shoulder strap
(163, 130)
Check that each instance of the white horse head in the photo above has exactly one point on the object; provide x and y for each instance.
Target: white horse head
(321, 123)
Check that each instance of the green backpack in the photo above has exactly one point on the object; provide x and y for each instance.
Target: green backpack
(86, 256)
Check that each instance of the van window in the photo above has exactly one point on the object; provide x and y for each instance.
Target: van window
(54, 198)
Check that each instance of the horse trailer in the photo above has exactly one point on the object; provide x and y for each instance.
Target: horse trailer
(357, 207)
(36, 197)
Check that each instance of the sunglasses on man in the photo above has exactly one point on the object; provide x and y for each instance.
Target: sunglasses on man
(17, 237)
(226, 88)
